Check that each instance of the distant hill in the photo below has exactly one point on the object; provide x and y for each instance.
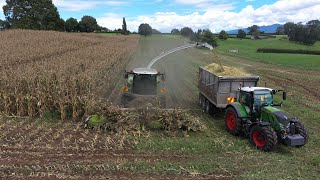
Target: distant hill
(266, 29)
(154, 31)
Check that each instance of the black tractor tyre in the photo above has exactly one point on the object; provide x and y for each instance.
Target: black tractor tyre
(207, 106)
(233, 122)
(263, 137)
(203, 103)
(200, 99)
(300, 129)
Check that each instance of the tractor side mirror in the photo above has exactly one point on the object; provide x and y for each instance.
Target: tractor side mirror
(284, 96)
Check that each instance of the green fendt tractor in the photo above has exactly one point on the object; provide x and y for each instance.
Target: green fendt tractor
(255, 115)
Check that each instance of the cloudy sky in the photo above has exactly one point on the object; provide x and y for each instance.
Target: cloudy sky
(165, 15)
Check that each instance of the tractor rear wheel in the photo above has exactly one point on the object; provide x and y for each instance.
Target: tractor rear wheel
(263, 137)
(300, 129)
(232, 121)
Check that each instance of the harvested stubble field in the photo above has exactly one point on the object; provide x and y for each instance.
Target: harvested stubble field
(58, 74)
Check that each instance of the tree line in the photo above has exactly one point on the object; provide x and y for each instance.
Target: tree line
(205, 35)
(44, 15)
(307, 33)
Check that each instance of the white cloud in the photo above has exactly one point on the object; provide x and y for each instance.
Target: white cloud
(2, 3)
(208, 4)
(111, 21)
(280, 12)
(79, 5)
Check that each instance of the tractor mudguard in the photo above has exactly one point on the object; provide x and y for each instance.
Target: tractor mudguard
(240, 109)
(261, 124)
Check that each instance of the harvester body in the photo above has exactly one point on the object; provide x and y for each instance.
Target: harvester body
(144, 83)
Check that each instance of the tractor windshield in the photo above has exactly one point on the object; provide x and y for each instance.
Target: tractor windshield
(262, 97)
(145, 84)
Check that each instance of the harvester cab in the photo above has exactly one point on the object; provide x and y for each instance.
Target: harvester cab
(256, 115)
(144, 83)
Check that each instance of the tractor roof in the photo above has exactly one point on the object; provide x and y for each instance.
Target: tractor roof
(251, 89)
(146, 71)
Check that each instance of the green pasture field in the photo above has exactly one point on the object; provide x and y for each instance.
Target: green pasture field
(248, 49)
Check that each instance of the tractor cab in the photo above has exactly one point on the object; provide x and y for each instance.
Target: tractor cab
(143, 82)
(254, 99)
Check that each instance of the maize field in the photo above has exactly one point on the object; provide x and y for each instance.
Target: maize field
(58, 74)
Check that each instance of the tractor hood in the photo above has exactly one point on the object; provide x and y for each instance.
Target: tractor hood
(281, 116)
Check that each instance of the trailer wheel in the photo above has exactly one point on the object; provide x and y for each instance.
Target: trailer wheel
(263, 137)
(300, 129)
(208, 108)
(201, 99)
(233, 123)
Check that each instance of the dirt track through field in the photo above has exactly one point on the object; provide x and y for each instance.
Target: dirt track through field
(181, 69)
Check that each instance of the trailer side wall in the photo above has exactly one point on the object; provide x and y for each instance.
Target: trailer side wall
(217, 89)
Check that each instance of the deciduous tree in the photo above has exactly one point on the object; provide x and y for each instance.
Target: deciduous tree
(88, 24)
(145, 29)
(186, 32)
(289, 28)
(175, 31)
(223, 35)
(72, 25)
(32, 14)
(253, 29)
(208, 37)
(241, 34)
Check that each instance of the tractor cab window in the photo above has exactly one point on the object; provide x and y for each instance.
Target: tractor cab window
(245, 98)
(145, 84)
(262, 97)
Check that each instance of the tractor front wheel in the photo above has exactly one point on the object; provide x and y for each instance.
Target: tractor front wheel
(300, 129)
(263, 137)
(233, 123)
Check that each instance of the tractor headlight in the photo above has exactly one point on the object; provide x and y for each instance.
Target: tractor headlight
(163, 90)
(125, 89)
